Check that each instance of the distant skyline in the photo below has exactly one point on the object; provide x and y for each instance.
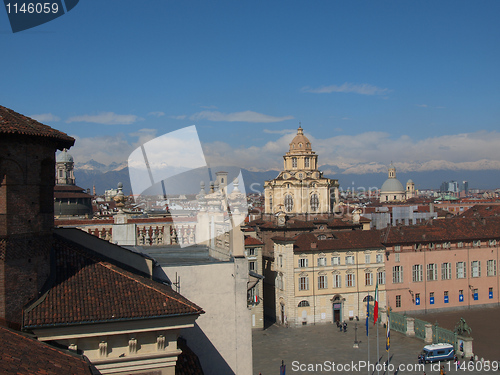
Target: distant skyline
(416, 83)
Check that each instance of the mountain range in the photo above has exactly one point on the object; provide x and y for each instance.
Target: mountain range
(108, 176)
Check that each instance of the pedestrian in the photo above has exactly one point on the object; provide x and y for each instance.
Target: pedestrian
(345, 326)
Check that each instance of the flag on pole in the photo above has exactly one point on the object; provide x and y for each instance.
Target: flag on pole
(283, 368)
(367, 312)
(388, 342)
(375, 308)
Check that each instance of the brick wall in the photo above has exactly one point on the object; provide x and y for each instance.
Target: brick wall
(26, 221)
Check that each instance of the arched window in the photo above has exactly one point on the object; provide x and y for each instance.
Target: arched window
(370, 297)
(288, 203)
(314, 202)
(294, 162)
(303, 304)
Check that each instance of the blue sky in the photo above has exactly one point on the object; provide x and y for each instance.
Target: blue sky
(370, 81)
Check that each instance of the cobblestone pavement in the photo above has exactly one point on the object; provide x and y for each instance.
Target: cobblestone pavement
(323, 344)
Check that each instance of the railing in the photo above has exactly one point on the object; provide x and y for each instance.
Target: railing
(444, 335)
(398, 322)
(419, 327)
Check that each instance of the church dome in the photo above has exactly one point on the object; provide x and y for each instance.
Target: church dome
(300, 142)
(64, 157)
(392, 185)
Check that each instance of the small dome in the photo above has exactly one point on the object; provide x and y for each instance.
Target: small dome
(64, 157)
(410, 181)
(300, 142)
(392, 185)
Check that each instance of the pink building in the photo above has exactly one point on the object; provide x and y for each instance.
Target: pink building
(444, 264)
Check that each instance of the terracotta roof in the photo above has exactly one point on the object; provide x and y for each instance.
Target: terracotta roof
(22, 355)
(441, 230)
(88, 289)
(252, 241)
(188, 362)
(12, 122)
(351, 240)
(482, 210)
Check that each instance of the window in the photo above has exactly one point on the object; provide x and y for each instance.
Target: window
(461, 270)
(303, 304)
(306, 162)
(476, 243)
(349, 259)
(460, 244)
(294, 162)
(321, 261)
(350, 279)
(379, 258)
(368, 278)
(251, 251)
(431, 272)
(417, 296)
(280, 260)
(491, 267)
(431, 245)
(314, 202)
(446, 271)
(271, 203)
(446, 245)
(322, 282)
(337, 281)
(431, 294)
(279, 281)
(252, 265)
(335, 261)
(417, 272)
(492, 242)
(418, 246)
(397, 274)
(396, 257)
(475, 268)
(367, 258)
(446, 293)
(461, 295)
(381, 277)
(288, 203)
(303, 283)
(397, 247)
(60, 173)
(398, 301)
(303, 262)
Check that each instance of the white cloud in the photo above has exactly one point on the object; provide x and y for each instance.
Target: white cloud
(45, 117)
(245, 116)
(108, 149)
(363, 89)
(372, 152)
(282, 131)
(180, 117)
(106, 118)
(156, 113)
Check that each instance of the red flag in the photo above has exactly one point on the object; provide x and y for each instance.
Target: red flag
(375, 309)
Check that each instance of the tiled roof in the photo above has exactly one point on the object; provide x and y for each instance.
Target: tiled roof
(12, 122)
(453, 229)
(252, 241)
(482, 210)
(188, 362)
(88, 289)
(350, 240)
(22, 355)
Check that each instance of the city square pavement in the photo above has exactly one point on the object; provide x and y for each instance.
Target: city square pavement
(318, 345)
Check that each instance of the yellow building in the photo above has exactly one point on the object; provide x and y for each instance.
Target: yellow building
(300, 188)
(325, 281)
